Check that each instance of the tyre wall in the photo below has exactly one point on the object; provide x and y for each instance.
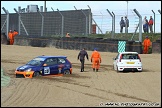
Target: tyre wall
(77, 43)
(156, 46)
(4, 39)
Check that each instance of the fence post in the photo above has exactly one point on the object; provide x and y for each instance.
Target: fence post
(62, 28)
(154, 19)
(42, 23)
(102, 20)
(159, 11)
(86, 21)
(21, 22)
(7, 19)
(113, 22)
(90, 21)
(112, 32)
(140, 24)
(75, 8)
(96, 23)
(52, 9)
(160, 24)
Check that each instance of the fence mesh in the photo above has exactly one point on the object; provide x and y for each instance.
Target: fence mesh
(75, 22)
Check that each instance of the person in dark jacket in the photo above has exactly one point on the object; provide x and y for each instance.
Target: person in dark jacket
(81, 56)
(122, 24)
(126, 24)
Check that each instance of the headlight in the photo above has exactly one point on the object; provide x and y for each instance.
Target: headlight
(28, 70)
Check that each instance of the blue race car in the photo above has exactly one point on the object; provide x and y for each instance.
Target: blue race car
(45, 65)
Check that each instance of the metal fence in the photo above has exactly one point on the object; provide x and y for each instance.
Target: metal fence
(75, 22)
(104, 19)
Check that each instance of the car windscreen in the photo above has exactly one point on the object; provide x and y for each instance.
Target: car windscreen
(36, 62)
(130, 56)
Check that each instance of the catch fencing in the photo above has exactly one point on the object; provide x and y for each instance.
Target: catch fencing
(57, 23)
(77, 22)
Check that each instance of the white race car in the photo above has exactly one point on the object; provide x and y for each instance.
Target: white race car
(127, 61)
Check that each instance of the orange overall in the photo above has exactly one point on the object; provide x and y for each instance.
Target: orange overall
(15, 33)
(96, 60)
(146, 44)
(11, 36)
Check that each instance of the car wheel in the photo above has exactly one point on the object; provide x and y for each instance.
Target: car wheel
(35, 74)
(17, 76)
(117, 69)
(66, 72)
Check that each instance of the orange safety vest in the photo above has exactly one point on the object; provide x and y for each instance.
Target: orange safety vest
(147, 42)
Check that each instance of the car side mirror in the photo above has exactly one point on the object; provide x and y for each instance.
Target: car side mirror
(44, 64)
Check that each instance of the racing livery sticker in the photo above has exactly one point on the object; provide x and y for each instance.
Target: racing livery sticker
(59, 70)
(46, 70)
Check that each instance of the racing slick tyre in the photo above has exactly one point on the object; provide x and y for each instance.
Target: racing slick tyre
(66, 72)
(35, 74)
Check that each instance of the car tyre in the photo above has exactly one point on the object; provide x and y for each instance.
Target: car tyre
(35, 74)
(18, 76)
(66, 72)
(117, 69)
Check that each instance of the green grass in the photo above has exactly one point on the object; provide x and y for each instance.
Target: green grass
(153, 36)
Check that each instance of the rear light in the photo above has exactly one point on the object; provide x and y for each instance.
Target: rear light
(139, 57)
(120, 58)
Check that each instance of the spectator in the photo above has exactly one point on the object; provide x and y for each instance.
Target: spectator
(122, 24)
(151, 22)
(67, 34)
(146, 45)
(126, 24)
(96, 60)
(145, 25)
(81, 56)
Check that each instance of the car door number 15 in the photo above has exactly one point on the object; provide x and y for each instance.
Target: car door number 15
(46, 70)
